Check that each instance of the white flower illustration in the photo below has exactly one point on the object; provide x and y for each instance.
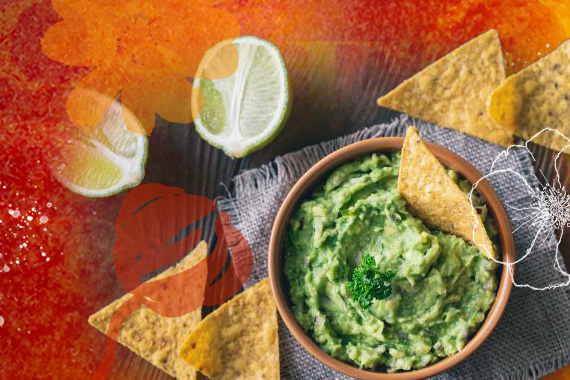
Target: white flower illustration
(546, 214)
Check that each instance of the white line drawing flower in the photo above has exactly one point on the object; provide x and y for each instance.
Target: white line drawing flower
(546, 215)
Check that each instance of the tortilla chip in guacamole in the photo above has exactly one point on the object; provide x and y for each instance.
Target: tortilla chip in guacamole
(433, 196)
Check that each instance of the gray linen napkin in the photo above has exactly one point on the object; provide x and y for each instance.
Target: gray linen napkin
(533, 337)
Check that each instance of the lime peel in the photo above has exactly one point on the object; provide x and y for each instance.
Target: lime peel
(246, 110)
(105, 159)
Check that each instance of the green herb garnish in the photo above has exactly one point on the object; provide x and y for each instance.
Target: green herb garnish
(369, 283)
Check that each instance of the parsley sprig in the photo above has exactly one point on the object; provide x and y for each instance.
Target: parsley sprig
(369, 283)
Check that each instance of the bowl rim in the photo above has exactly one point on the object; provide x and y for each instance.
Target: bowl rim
(313, 176)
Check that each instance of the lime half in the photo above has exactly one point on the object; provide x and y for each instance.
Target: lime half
(244, 111)
(101, 160)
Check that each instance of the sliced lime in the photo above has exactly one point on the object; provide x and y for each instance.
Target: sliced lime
(101, 160)
(242, 112)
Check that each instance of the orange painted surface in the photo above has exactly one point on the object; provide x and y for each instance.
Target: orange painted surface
(561, 374)
(142, 50)
(45, 303)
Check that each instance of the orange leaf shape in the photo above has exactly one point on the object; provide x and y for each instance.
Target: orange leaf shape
(143, 50)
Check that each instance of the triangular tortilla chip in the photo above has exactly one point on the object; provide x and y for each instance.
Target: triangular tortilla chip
(153, 337)
(239, 340)
(453, 91)
(537, 97)
(433, 196)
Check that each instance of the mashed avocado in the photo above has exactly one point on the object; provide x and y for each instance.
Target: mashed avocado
(441, 286)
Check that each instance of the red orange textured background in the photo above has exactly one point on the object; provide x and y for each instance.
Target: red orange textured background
(57, 245)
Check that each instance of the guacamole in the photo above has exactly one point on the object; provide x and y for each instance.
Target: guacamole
(436, 287)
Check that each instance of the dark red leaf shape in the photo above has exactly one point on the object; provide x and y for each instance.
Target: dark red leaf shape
(149, 219)
(151, 216)
(240, 266)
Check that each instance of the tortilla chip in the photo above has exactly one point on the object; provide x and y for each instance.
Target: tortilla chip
(537, 97)
(153, 337)
(432, 195)
(239, 340)
(453, 91)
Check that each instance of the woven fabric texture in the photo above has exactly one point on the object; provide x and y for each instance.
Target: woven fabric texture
(533, 337)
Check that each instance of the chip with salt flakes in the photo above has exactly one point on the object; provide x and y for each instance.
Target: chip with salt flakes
(239, 340)
(434, 197)
(453, 92)
(537, 97)
(155, 338)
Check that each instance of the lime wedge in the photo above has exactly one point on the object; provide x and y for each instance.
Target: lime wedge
(242, 112)
(101, 160)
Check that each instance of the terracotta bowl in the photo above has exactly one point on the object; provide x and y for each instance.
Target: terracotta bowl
(318, 173)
